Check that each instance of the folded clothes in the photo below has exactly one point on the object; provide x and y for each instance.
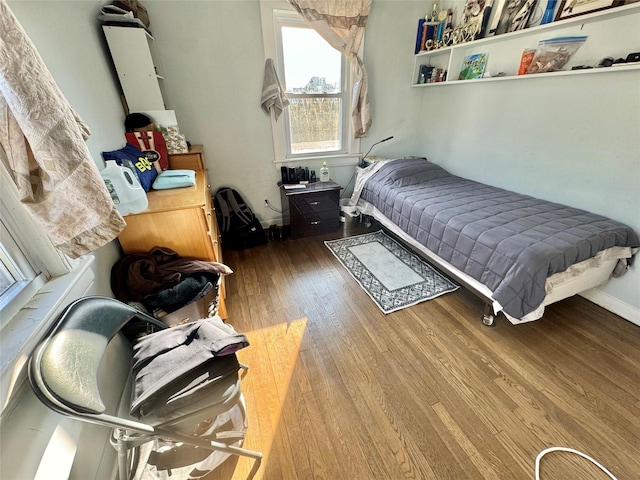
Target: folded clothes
(174, 369)
(184, 292)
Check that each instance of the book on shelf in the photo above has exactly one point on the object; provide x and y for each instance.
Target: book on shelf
(419, 43)
(424, 74)
(473, 66)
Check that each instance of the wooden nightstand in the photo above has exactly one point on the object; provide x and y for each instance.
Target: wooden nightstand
(312, 210)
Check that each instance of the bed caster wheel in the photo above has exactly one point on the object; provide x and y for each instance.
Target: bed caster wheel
(487, 316)
(488, 320)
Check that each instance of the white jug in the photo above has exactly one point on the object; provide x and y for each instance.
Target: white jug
(125, 189)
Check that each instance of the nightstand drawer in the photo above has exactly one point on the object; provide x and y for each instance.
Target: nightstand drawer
(304, 227)
(316, 202)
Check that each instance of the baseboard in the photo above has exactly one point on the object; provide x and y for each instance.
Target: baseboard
(614, 305)
(276, 220)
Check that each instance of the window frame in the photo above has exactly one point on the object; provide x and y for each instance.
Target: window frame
(270, 11)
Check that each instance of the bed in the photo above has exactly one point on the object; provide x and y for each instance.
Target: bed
(517, 252)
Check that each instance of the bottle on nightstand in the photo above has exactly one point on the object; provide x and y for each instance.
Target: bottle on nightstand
(324, 173)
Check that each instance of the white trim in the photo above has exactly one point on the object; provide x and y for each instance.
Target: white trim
(18, 295)
(332, 160)
(24, 331)
(615, 305)
(57, 459)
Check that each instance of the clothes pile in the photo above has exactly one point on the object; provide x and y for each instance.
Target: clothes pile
(162, 282)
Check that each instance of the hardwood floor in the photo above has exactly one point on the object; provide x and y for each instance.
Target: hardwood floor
(338, 390)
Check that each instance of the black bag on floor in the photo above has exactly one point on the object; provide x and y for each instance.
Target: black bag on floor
(239, 227)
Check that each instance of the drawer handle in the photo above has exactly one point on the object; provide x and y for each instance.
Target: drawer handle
(315, 223)
(314, 203)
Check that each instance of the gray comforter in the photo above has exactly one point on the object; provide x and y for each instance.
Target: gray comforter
(509, 242)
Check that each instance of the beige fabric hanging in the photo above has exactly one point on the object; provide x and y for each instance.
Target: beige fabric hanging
(342, 24)
(44, 139)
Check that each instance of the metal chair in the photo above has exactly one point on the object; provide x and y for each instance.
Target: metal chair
(63, 371)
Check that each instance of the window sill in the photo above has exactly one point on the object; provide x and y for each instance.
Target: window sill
(332, 160)
(25, 330)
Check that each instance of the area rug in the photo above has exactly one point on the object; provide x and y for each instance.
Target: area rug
(391, 275)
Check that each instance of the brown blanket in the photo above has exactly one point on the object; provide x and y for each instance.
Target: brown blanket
(137, 275)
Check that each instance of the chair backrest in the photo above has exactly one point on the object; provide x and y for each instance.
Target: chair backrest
(63, 369)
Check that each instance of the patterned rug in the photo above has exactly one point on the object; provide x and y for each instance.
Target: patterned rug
(391, 275)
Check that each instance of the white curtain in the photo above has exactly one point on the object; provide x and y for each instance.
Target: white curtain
(44, 141)
(342, 24)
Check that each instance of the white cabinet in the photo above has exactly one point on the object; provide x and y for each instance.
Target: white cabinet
(137, 63)
(611, 33)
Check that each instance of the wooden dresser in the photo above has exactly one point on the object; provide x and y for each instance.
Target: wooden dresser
(182, 219)
(312, 210)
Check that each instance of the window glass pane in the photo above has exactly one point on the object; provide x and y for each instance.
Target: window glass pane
(15, 270)
(311, 65)
(313, 79)
(6, 279)
(314, 124)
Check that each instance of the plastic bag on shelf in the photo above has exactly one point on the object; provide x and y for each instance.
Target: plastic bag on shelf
(552, 54)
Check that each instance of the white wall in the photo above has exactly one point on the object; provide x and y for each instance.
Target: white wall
(213, 63)
(213, 60)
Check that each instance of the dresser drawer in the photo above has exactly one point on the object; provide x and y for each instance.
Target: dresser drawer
(191, 160)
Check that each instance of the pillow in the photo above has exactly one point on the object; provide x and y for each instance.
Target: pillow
(132, 157)
(413, 171)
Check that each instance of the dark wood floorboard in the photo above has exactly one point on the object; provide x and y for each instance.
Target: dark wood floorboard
(338, 390)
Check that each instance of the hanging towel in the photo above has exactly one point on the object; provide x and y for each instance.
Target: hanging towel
(274, 99)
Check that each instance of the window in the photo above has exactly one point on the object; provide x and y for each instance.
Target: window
(316, 126)
(17, 275)
(314, 79)
(27, 257)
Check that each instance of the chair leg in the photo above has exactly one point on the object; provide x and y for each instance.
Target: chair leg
(123, 457)
(211, 445)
